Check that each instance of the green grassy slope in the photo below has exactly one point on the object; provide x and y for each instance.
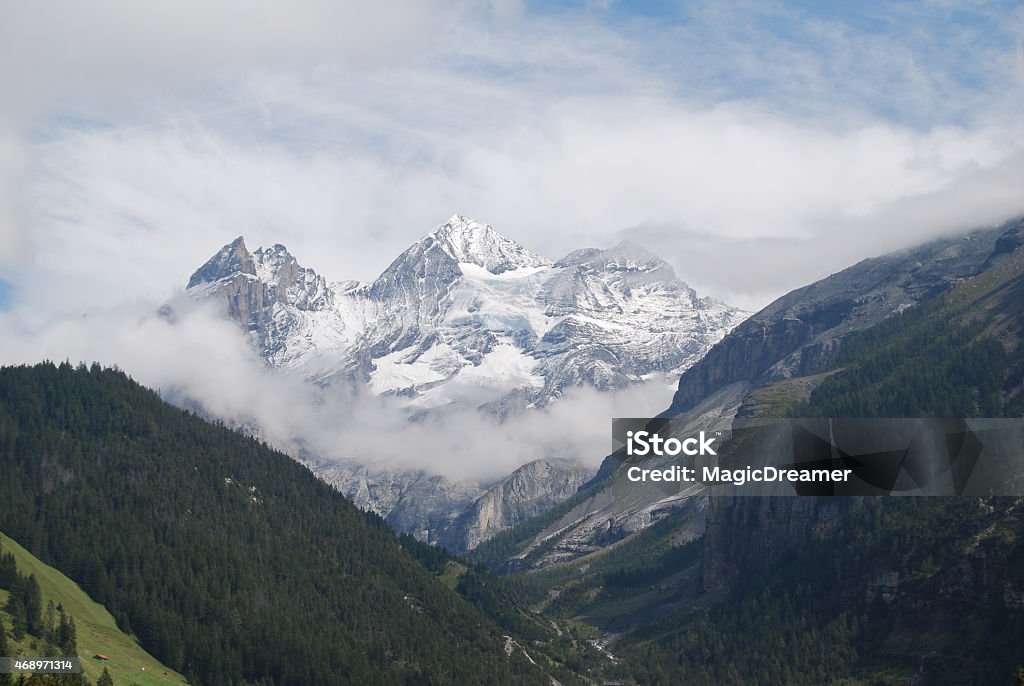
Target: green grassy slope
(97, 630)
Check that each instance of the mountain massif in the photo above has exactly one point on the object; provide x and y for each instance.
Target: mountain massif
(774, 360)
(466, 320)
(466, 315)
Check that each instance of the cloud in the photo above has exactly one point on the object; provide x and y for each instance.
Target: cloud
(55, 48)
(757, 147)
(724, 187)
(202, 357)
(738, 128)
(60, 58)
(202, 361)
(14, 165)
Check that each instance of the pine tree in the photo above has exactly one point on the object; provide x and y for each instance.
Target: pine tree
(17, 612)
(67, 635)
(105, 679)
(8, 570)
(50, 624)
(33, 607)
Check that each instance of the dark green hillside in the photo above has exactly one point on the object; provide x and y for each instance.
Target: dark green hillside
(895, 591)
(872, 591)
(231, 563)
(960, 355)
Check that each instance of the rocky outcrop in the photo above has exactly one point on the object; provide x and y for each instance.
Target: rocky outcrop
(800, 333)
(266, 291)
(411, 500)
(233, 269)
(458, 515)
(527, 492)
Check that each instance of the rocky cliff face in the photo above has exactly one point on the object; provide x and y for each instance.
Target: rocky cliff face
(527, 492)
(411, 500)
(458, 515)
(245, 296)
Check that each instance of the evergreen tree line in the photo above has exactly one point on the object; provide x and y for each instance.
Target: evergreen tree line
(231, 562)
(25, 602)
(25, 606)
(931, 360)
(53, 626)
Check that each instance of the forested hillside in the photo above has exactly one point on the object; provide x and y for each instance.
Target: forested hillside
(232, 563)
(902, 588)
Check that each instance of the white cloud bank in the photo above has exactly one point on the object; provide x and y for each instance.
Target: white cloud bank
(347, 133)
(204, 361)
(62, 56)
(709, 189)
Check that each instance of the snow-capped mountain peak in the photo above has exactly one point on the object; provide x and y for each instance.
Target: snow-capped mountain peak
(630, 256)
(290, 282)
(232, 259)
(467, 313)
(471, 242)
(466, 317)
(627, 256)
(274, 263)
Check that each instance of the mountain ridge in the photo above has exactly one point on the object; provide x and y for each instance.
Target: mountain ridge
(465, 319)
(431, 292)
(779, 355)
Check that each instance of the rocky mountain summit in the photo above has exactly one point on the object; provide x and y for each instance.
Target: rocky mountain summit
(468, 312)
(466, 318)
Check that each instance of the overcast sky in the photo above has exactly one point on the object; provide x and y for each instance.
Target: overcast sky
(758, 145)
